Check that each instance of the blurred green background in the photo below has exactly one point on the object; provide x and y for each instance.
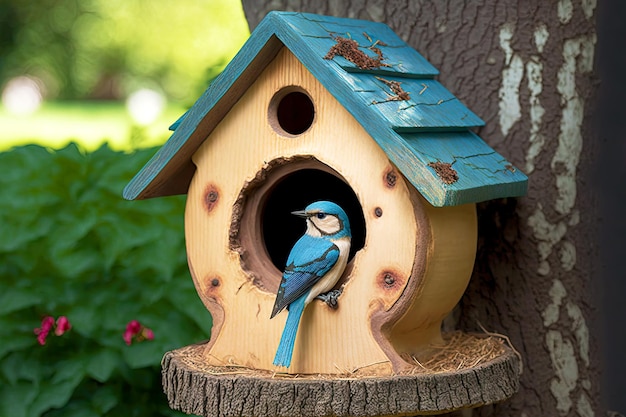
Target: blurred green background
(89, 88)
(92, 69)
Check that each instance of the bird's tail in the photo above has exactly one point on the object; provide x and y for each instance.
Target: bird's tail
(288, 339)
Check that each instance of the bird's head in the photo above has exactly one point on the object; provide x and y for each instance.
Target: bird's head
(325, 219)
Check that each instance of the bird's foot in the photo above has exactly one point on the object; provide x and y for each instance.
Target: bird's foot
(330, 298)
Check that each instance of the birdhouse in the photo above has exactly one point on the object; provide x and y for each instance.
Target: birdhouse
(323, 108)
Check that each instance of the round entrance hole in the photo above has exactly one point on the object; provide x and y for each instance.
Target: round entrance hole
(263, 230)
(291, 111)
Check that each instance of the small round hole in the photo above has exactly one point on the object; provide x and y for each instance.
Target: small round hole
(291, 113)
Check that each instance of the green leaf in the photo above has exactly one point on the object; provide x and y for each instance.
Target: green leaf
(13, 299)
(54, 395)
(143, 354)
(84, 317)
(104, 399)
(16, 398)
(68, 369)
(102, 363)
(16, 367)
(15, 337)
(75, 408)
(183, 295)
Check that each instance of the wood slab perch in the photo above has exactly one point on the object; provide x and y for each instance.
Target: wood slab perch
(194, 387)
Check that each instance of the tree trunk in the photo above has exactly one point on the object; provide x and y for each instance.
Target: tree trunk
(526, 68)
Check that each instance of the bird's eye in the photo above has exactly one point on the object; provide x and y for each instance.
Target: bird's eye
(320, 215)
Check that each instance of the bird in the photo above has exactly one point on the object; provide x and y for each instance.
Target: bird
(315, 264)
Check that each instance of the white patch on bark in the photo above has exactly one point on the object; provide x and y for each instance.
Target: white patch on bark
(567, 255)
(562, 351)
(583, 406)
(567, 155)
(534, 74)
(506, 34)
(581, 331)
(510, 110)
(541, 35)
(547, 235)
(565, 10)
(441, 24)
(587, 49)
(534, 70)
(566, 370)
(588, 6)
(551, 313)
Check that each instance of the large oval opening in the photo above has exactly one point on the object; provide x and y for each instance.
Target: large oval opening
(263, 230)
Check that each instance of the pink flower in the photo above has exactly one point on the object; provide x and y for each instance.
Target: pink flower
(148, 334)
(41, 337)
(134, 328)
(47, 323)
(128, 337)
(42, 332)
(63, 325)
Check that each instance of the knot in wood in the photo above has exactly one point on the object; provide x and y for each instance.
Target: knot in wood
(211, 196)
(391, 178)
(215, 282)
(378, 212)
(388, 280)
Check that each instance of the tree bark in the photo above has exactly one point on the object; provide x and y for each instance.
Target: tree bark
(193, 386)
(526, 68)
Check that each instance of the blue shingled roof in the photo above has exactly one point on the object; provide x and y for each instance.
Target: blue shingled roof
(426, 135)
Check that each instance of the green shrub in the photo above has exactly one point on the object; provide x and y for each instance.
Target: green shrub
(70, 245)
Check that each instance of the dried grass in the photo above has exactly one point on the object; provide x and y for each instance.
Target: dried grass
(460, 351)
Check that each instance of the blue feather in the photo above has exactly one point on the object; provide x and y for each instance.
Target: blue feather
(288, 338)
(309, 260)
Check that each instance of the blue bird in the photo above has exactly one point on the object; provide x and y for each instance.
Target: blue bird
(314, 266)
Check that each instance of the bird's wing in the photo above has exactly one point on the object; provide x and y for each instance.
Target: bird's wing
(310, 259)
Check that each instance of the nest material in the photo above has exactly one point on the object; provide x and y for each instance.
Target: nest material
(445, 172)
(349, 49)
(461, 351)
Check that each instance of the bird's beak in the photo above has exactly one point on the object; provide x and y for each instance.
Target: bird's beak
(300, 213)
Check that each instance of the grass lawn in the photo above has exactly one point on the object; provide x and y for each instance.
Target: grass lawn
(88, 123)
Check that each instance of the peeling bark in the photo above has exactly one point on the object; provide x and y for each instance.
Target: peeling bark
(526, 68)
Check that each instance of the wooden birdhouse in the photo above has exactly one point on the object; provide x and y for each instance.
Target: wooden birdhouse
(323, 108)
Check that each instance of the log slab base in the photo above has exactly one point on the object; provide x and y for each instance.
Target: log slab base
(194, 387)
